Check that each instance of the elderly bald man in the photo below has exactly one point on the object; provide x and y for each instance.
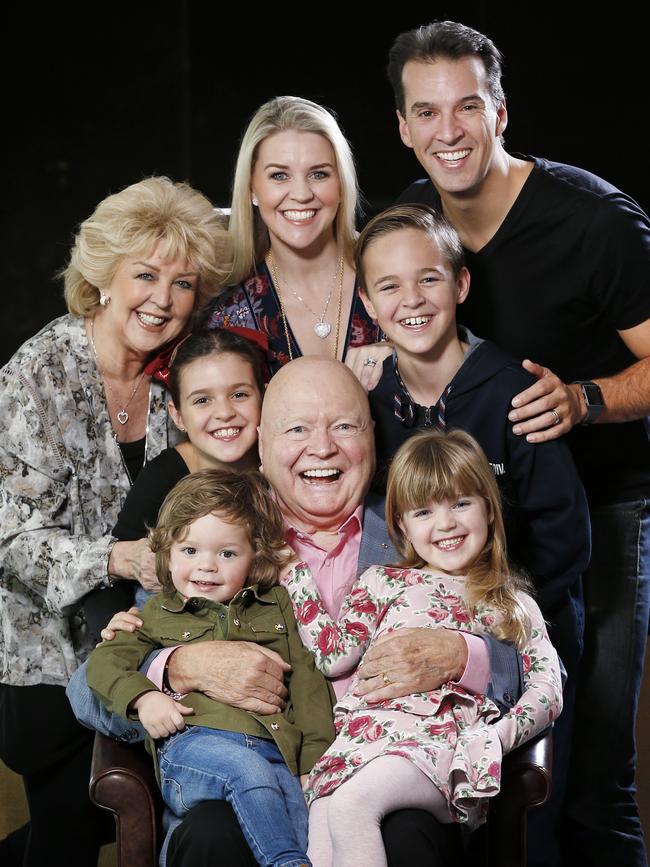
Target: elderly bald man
(317, 450)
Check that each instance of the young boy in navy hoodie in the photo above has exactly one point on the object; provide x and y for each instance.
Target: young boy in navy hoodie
(412, 275)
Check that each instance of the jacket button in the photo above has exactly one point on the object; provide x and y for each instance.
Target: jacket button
(186, 634)
(384, 545)
(279, 627)
(236, 622)
(275, 726)
(507, 697)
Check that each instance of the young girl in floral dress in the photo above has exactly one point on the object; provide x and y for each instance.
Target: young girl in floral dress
(439, 751)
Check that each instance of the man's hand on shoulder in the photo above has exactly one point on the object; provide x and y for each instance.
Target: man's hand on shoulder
(411, 660)
(237, 673)
(548, 409)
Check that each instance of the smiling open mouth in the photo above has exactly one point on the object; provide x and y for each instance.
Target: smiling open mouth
(226, 433)
(328, 474)
(150, 320)
(415, 321)
(450, 544)
(453, 156)
(299, 216)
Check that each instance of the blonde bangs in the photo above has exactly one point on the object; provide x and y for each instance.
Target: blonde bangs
(432, 466)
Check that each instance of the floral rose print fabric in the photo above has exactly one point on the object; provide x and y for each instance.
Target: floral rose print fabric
(457, 739)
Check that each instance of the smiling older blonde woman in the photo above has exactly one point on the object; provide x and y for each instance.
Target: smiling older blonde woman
(79, 416)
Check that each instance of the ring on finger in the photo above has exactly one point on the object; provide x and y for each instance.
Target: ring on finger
(386, 679)
(556, 417)
(370, 362)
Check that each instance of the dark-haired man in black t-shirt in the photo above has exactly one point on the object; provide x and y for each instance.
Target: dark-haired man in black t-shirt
(560, 264)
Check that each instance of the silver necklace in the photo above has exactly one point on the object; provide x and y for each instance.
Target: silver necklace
(322, 327)
(122, 414)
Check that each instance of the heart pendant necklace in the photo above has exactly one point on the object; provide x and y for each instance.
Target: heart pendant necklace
(122, 414)
(322, 328)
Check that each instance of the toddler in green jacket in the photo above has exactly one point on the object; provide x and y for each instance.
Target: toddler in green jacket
(219, 553)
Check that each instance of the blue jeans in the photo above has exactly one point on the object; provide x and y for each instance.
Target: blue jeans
(603, 825)
(202, 764)
(91, 713)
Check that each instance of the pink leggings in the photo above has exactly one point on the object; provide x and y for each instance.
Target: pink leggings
(345, 827)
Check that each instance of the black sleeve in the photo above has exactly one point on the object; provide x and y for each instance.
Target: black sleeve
(617, 245)
(554, 534)
(420, 192)
(146, 496)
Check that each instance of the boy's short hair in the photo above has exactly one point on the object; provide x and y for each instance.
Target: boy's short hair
(421, 217)
(243, 498)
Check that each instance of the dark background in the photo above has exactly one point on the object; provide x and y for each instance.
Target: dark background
(96, 97)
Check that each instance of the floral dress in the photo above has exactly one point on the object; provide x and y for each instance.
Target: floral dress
(456, 738)
(255, 304)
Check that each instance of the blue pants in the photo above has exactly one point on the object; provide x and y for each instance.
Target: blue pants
(202, 764)
(603, 825)
(92, 714)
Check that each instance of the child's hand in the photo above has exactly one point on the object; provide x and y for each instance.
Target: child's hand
(303, 781)
(160, 714)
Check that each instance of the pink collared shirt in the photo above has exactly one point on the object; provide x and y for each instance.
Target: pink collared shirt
(333, 571)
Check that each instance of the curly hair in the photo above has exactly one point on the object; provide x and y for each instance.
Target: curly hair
(131, 223)
(243, 498)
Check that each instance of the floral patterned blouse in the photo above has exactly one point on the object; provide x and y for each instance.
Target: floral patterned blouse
(255, 304)
(455, 738)
(63, 485)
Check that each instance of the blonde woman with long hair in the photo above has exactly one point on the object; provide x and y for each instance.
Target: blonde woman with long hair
(295, 198)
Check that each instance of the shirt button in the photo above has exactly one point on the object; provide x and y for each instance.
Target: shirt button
(275, 726)
(507, 697)
(279, 627)
(384, 545)
(236, 622)
(186, 634)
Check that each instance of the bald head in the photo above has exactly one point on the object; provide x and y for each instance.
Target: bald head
(316, 442)
(306, 376)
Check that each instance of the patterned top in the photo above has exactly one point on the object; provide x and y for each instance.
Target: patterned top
(63, 485)
(255, 304)
(385, 599)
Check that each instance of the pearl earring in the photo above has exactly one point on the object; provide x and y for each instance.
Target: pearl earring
(255, 201)
(104, 299)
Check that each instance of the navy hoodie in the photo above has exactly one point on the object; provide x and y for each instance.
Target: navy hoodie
(544, 504)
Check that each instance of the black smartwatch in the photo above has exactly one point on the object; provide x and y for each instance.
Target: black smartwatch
(593, 400)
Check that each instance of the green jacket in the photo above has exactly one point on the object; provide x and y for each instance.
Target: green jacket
(302, 730)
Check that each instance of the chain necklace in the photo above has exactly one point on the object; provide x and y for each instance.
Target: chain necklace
(322, 328)
(122, 414)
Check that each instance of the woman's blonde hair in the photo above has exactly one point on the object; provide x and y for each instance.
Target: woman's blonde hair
(131, 223)
(433, 466)
(250, 235)
(242, 498)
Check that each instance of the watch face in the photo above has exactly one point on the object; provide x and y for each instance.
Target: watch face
(592, 393)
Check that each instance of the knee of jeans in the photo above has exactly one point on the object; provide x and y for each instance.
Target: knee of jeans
(172, 793)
